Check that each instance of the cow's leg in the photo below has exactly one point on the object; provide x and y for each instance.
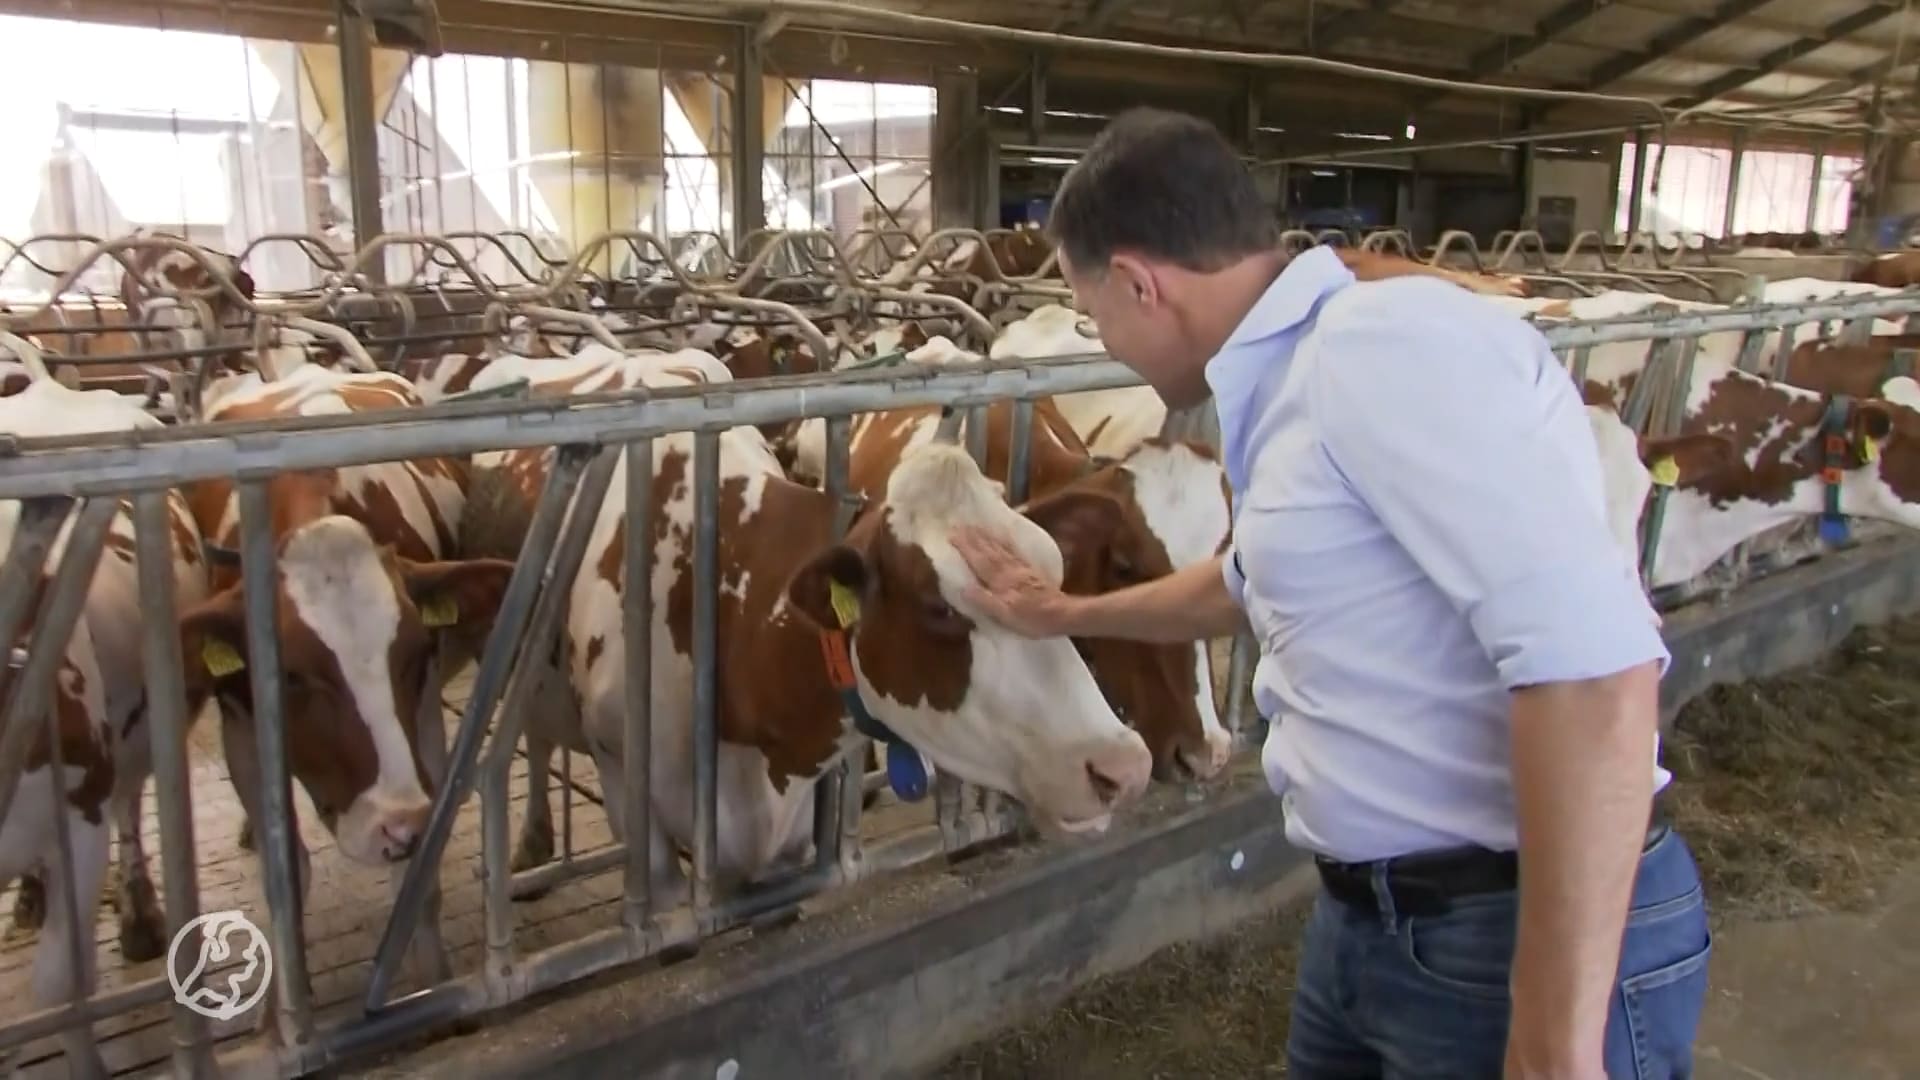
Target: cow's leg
(30, 902)
(142, 922)
(536, 828)
(55, 982)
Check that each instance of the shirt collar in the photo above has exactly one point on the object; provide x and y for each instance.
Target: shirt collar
(1307, 279)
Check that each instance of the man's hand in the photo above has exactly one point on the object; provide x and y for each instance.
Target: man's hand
(1010, 590)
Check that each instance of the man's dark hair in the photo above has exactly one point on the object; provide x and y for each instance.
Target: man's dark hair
(1164, 185)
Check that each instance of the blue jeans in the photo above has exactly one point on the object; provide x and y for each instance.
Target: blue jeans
(1384, 995)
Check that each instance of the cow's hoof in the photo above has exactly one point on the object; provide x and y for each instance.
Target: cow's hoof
(246, 835)
(30, 904)
(535, 849)
(143, 934)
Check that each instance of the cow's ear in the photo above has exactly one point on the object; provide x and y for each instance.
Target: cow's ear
(456, 593)
(1081, 522)
(213, 641)
(1872, 420)
(828, 589)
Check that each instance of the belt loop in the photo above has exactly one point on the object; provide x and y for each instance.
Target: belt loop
(1383, 897)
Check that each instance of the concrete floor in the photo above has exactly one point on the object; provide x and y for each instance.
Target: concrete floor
(1826, 998)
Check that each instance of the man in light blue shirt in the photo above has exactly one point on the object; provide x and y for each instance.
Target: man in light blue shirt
(1461, 672)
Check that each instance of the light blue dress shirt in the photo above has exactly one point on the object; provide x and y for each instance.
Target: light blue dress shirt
(1419, 528)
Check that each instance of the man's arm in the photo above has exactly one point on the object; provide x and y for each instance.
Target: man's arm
(1482, 466)
(1580, 775)
(1187, 605)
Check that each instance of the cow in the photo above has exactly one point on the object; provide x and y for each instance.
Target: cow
(1893, 270)
(99, 707)
(364, 586)
(1626, 463)
(1173, 497)
(1025, 718)
(1777, 433)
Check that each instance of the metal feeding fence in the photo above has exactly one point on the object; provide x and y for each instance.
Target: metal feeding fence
(79, 484)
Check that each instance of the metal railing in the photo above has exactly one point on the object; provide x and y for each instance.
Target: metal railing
(94, 473)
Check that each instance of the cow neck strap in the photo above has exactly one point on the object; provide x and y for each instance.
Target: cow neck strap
(906, 771)
(1834, 461)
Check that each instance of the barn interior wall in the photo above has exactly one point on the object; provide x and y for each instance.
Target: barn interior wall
(1587, 182)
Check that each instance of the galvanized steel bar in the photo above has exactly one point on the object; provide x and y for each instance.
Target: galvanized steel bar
(32, 693)
(83, 1057)
(706, 616)
(122, 461)
(1017, 464)
(1582, 357)
(548, 609)
(1678, 386)
(636, 611)
(42, 1023)
(496, 664)
(33, 535)
(846, 847)
(167, 724)
(977, 426)
(274, 827)
(363, 149)
(1783, 356)
(1239, 674)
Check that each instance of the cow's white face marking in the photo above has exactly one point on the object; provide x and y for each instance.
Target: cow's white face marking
(341, 590)
(1053, 330)
(1032, 720)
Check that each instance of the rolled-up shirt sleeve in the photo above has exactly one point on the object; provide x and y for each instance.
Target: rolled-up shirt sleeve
(1488, 477)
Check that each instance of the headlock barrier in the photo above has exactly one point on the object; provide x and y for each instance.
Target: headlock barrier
(74, 496)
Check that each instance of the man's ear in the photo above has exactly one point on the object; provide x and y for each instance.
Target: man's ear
(457, 593)
(213, 641)
(811, 590)
(1081, 522)
(1137, 278)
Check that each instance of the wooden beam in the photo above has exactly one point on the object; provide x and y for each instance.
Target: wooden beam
(1501, 55)
(1676, 37)
(1791, 51)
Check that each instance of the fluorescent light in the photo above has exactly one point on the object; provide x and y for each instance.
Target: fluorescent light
(1052, 161)
(1370, 137)
(1325, 172)
(1275, 130)
(1013, 110)
(1410, 129)
(1072, 115)
(854, 178)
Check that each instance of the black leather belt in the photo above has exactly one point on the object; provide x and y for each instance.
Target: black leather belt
(1428, 882)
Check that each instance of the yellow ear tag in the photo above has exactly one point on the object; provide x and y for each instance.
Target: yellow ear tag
(221, 658)
(438, 612)
(1666, 472)
(846, 605)
(1870, 450)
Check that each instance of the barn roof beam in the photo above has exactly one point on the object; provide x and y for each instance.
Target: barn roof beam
(1791, 51)
(1676, 37)
(1103, 13)
(1503, 53)
(1343, 24)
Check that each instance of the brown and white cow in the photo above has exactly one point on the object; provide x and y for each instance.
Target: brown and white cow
(100, 706)
(1174, 513)
(363, 582)
(1021, 717)
(1893, 270)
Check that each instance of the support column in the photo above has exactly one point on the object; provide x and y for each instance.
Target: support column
(1250, 116)
(1813, 189)
(1637, 195)
(1613, 190)
(749, 138)
(1733, 183)
(1523, 171)
(959, 152)
(1037, 100)
(363, 145)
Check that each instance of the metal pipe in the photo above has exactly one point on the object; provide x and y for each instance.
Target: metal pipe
(51, 1021)
(33, 535)
(1019, 452)
(103, 463)
(496, 660)
(1239, 673)
(167, 724)
(286, 894)
(847, 847)
(636, 609)
(32, 693)
(83, 1058)
(977, 435)
(706, 615)
(548, 610)
(363, 147)
(541, 879)
(1398, 148)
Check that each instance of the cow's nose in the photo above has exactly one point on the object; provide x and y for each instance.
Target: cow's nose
(1119, 772)
(401, 832)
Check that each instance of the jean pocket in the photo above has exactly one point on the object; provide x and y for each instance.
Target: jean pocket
(1468, 950)
(1662, 1010)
